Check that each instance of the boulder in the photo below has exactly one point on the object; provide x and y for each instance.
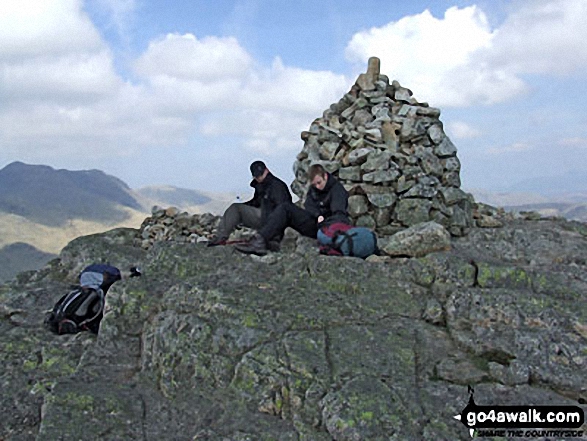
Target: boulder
(418, 240)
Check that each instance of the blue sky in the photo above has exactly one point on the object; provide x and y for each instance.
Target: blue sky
(188, 93)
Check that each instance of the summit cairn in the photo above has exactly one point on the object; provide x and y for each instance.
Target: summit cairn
(391, 154)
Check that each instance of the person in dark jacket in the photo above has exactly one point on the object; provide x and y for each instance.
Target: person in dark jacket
(270, 192)
(326, 203)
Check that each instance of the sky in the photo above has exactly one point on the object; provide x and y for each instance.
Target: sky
(190, 92)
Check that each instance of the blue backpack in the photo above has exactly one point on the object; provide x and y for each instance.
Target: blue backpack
(341, 239)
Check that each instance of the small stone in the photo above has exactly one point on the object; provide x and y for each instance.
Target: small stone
(382, 199)
(413, 211)
(357, 143)
(452, 164)
(329, 166)
(358, 205)
(377, 160)
(366, 221)
(402, 94)
(431, 112)
(374, 134)
(382, 216)
(381, 176)
(352, 173)
(328, 150)
(436, 134)
(431, 164)
(407, 110)
(359, 156)
(446, 148)
(451, 179)
(427, 187)
(488, 222)
(404, 184)
(172, 211)
(452, 196)
(362, 117)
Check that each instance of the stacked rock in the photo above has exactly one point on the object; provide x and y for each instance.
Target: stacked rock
(391, 154)
(169, 224)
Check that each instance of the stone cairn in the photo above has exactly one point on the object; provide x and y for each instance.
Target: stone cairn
(170, 224)
(391, 154)
(173, 225)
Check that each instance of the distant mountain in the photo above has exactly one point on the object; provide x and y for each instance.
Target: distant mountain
(42, 209)
(571, 211)
(174, 196)
(192, 201)
(570, 205)
(571, 182)
(18, 257)
(52, 197)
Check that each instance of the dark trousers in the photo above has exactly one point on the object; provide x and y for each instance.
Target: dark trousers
(239, 213)
(289, 215)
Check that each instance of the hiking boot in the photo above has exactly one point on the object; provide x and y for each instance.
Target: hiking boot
(274, 245)
(256, 245)
(217, 240)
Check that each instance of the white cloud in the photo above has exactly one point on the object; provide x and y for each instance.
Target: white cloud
(71, 101)
(512, 148)
(575, 142)
(184, 57)
(543, 36)
(46, 28)
(458, 60)
(462, 130)
(73, 77)
(273, 106)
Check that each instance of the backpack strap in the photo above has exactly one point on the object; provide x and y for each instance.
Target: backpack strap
(100, 310)
(346, 237)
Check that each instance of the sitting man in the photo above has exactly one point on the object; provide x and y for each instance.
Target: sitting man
(326, 203)
(269, 193)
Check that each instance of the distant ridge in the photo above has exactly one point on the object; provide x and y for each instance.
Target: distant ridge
(52, 197)
(169, 195)
(571, 182)
(18, 257)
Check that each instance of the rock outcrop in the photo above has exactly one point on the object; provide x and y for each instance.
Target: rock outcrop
(214, 345)
(391, 153)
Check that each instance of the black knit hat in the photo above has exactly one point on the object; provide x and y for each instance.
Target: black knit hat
(258, 168)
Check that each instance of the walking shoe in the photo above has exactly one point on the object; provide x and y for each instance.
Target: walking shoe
(217, 240)
(256, 245)
(274, 245)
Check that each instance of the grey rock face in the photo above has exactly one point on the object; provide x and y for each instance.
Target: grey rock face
(397, 143)
(211, 344)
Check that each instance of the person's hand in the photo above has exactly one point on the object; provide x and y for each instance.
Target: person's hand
(320, 219)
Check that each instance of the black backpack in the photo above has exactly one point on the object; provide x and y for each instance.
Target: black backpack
(82, 309)
(79, 310)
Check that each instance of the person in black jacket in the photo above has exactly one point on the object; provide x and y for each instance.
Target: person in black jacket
(326, 203)
(270, 192)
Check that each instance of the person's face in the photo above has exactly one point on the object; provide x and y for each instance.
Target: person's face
(319, 182)
(262, 177)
